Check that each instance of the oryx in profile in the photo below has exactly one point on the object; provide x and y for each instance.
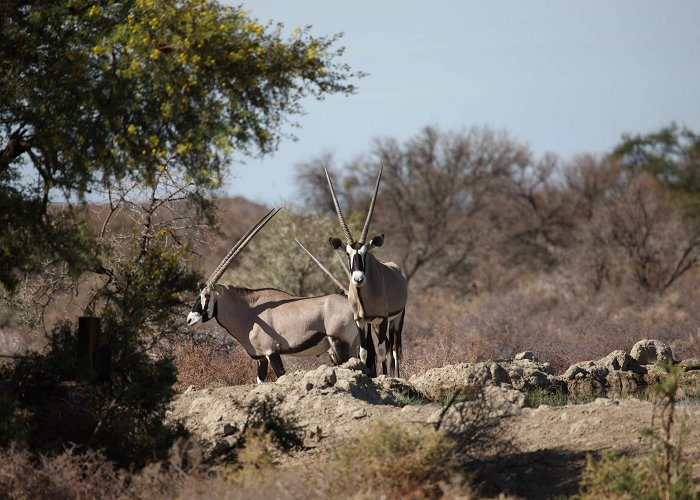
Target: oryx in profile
(378, 291)
(268, 322)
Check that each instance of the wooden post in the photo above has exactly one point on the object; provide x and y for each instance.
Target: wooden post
(93, 359)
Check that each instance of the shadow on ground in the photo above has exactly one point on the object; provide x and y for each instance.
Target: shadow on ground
(539, 474)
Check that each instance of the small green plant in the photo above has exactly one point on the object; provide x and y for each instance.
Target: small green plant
(264, 417)
(462, 395)
(265, 429)
(414, 399)
(538, 396)
(662, 473)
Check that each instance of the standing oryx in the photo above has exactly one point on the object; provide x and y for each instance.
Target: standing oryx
(268, 322)
(378, 291)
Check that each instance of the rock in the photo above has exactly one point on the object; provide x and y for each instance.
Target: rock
(355, 365)
(320, 378)
(361, 413)
(521, 374)
(436, 383)
(503, 397)
(617, 373)
(690, 364)
(616, 360)
(648, 352)
(528, 355)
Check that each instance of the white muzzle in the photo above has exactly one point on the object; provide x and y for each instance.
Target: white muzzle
(193, 318)
(358, 278)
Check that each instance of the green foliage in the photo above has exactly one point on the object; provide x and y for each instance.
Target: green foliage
(537, 396)
(265, 428)
(14, 419)
(672, 155)
(94, 95)
(263, 416)
(124, 417)
(663, 472)
(142, 294)
(414, 399)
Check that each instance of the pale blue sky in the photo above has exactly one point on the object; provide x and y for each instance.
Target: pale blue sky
(566, 77)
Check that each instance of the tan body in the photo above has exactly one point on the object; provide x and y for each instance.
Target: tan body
(269, 322)
(378, 292)
(385, 295)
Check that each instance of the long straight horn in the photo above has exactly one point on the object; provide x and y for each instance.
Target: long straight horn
(245, 239)
(365, 229)
(323, 268)
(343, 224)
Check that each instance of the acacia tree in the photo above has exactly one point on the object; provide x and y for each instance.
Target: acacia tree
(672, 155)
(142, 104)
(94, 95)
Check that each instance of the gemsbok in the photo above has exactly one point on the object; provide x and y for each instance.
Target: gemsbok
(268, 322)
(377, 292)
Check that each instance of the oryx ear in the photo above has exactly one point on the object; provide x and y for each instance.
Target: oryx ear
(335, 243)
(377, 241)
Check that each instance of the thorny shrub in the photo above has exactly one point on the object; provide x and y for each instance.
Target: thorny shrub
(394, 462)
(663, 472)
(204, 365)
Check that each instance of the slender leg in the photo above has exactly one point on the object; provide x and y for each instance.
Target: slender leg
(332, 351)
(397, 342)
(392, 357)
(371, 354)
(381, 343)
(262, 370)
(342, 350)
(276, 362)
(363, 342)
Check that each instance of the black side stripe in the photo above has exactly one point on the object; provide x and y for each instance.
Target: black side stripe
(315, 339)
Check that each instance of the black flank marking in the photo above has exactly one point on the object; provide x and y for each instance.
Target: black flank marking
(312, 341)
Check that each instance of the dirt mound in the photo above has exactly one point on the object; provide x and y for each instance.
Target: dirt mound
(333, 404)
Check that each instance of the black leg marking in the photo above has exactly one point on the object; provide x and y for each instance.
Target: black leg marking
(276, 362)
(393, 368)
(371, 362)
(397, 341)
(262, 369)
(342, 350)
(381, 339)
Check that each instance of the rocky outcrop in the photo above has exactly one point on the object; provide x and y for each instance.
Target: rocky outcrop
(330, 403)
(617, 373)
(648, 352)
(523, 373)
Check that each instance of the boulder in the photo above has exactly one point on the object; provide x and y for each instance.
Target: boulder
(524, 373)
(649, 352)
(617, 373)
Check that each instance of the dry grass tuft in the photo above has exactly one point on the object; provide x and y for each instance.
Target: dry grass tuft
(203, 366)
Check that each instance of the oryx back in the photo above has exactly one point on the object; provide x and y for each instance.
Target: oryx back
(272, 321)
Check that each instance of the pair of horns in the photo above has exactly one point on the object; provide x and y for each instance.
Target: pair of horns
(240, 245)
(348, 237)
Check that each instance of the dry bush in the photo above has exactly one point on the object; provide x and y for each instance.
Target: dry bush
(425, 354)
(202, 366)
(206, 364)
(393, 462)
(549, 317)
(68, 475)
